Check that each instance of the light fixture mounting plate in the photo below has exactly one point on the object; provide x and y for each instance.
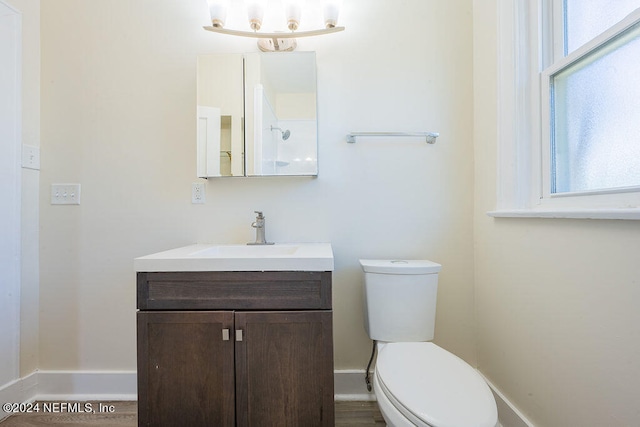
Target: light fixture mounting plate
(277, 45)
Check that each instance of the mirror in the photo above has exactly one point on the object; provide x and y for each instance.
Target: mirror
(257, 115)
(220, 109)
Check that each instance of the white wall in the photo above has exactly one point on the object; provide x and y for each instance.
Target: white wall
(118, 108)
(556, 300)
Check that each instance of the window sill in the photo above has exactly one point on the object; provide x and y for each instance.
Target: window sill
(628, 214)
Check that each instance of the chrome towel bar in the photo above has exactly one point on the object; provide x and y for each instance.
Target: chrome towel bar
(429, 136)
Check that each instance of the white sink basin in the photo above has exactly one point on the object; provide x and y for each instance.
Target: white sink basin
(278, 257)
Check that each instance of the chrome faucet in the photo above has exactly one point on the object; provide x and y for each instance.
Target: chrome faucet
(259, 226)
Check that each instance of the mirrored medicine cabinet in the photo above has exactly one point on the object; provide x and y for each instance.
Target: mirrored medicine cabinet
(257, 115)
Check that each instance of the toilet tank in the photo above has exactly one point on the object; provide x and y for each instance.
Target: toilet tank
(400, 299)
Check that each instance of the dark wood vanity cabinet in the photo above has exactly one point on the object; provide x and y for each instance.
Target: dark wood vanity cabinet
(235, 349)
(185, 370)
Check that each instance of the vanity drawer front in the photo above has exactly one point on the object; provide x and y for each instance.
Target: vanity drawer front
(222, 290)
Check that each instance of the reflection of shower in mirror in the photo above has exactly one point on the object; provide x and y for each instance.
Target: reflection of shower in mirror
(285, 133)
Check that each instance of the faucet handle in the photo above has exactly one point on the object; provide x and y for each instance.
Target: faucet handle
(260, 216)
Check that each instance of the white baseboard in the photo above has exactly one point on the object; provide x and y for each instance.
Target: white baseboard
(122, 385)
(71, 386)
(87, 385)
(18, 391)
(349, 384)
(508, 414)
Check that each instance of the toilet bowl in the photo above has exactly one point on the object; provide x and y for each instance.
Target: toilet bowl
(417, 383)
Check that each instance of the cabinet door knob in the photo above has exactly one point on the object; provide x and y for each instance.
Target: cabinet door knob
(238, 334)
(225, 335)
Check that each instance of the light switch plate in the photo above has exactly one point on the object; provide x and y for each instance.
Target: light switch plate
(65, 194)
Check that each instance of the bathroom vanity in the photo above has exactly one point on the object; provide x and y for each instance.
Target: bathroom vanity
(252, 346)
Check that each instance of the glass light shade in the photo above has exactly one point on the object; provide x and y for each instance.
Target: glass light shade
(218, 11)
(331, 9)
(255, 13)
(293, 10)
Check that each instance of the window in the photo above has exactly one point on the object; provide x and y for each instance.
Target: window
(594, 99)
(573, 97)
(584, 20)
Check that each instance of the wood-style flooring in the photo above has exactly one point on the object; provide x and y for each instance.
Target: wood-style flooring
(348, 414)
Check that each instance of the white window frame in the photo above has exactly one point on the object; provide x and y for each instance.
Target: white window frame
(527, 47)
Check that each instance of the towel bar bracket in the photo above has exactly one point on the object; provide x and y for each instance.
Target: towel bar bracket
(430, 137)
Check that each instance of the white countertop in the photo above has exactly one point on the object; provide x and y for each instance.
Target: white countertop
(213, 257)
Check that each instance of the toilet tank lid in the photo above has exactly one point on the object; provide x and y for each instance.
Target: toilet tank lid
(400, 266)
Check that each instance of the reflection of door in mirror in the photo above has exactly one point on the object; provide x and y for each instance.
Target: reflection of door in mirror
(209, 136)
(220, 116)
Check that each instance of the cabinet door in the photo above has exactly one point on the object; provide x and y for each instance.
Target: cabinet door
(185, 369)
(284, 369)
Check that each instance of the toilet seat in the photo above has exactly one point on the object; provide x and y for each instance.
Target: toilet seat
(433, 387)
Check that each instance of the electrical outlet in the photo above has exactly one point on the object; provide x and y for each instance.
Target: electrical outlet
(197, 193)
(30, 157)
(65, 194)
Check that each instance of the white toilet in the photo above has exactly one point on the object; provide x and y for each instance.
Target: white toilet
(417, 383)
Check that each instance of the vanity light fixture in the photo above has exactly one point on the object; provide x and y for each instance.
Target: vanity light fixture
(274, 41)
